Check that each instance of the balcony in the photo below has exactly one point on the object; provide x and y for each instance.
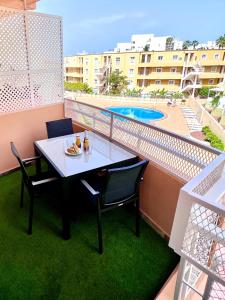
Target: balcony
(162, 63)
(211, 75)
(74, 74)
(43, 265)
(160, 75)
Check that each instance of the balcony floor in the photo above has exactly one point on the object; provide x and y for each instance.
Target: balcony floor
(43, 266)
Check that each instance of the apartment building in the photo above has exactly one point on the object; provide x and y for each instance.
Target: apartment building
(154, 43)
(180, 70)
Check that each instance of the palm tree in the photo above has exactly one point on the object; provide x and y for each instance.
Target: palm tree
(146, 48)
(117, 83)
(194, 44)
(221, 41)
(186, 44)
(169, 43)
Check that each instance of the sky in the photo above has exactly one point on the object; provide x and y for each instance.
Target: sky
(97, 25)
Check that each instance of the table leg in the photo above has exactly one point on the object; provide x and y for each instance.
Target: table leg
(38, 162)
(65, 205)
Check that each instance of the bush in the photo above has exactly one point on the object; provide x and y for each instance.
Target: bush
(204, 92)
(133, 93)
(77, 86)
(213, 139)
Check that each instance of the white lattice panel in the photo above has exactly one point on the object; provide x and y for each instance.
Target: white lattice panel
(44, 42)
(31, 60)
(13, 53)
(198, 233)
(12, 89)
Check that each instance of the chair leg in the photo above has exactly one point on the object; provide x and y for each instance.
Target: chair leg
(31, 208)
(99, 221)
(137, 217)
(21, 193)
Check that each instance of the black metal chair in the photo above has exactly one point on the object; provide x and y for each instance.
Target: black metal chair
(32, 183)
(120, 186)
(59, 127)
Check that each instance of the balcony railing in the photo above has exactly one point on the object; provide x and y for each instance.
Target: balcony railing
(180, 156)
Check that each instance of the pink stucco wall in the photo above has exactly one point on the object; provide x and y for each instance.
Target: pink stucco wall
(24, 128)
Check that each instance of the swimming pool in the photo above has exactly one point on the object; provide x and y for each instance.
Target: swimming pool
(145, 115)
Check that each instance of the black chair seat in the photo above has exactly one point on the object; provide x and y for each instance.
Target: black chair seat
(33, 183)
(60, 127)
(119, 186)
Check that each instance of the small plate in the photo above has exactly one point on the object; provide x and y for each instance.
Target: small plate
(73, 154)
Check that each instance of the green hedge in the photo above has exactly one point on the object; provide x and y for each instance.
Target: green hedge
(77, 86)
(213, 139)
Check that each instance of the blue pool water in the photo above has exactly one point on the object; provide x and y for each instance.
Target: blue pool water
(145, 115)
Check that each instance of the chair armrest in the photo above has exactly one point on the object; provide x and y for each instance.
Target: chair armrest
(43, 181)
(30, 159)
(90, 189)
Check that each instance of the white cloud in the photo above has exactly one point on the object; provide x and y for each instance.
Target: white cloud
(149, 24)
(89, 23)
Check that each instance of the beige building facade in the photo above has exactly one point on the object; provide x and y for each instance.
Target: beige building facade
(181, 70)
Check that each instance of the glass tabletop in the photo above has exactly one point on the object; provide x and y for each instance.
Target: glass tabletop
(102, 153)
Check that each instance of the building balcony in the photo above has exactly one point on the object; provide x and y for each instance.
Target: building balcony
(213, 62)
(211, 75)
(162, 63)
(160, 75)
(160, 146)
(74, 74)
(181, 173)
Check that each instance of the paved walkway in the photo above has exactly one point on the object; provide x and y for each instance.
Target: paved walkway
(191, 118)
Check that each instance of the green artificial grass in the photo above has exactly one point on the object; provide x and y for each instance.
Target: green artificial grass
(43, 266)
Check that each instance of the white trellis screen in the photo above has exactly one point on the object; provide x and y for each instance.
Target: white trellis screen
(31, 60)
(198, 235)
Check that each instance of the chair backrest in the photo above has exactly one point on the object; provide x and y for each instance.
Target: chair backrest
(123, 183)
(59, 127)
(25, 175)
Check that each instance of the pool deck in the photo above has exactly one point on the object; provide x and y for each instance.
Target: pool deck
(174, 120)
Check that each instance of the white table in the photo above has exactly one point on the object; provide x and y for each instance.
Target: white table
(102, 154)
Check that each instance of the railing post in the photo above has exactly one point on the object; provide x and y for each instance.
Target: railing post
(111, 126)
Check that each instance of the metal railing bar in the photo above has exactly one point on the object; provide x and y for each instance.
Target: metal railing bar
(153, 127)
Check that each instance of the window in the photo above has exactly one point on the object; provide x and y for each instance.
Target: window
(117, 71)
(175, 57)
(130, 82)
(95, 81)
(131, 72)
(96, 61)
(96, 71)
(173, 70)
(148, 57)
(158, 82)
(160, 57)
(171, 82)
(132, 60)
(211, 81)
(86, 72)
(204, 56)
(86, 61)
(117, 60)
(216, 56)
(158, 70)
(213, 69)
